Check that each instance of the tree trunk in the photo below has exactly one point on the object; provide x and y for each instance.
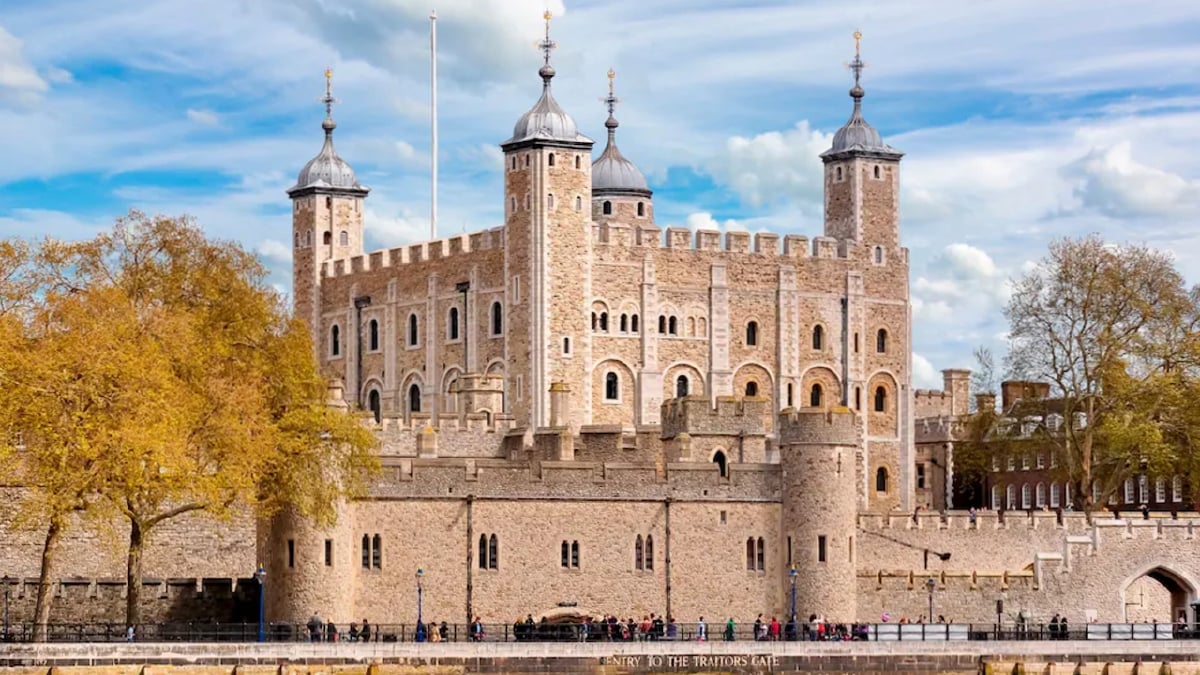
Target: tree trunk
(41, 612)
(133, 573)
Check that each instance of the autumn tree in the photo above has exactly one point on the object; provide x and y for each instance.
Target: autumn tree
(233, 411)
(1112, 329)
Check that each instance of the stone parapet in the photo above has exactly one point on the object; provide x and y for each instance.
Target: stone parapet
(438, 249)
(730, 416)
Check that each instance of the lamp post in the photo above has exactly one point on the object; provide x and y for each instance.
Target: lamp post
(6, 592)
(930, 585)
(261, 575)
(793, 574)
(420, 593)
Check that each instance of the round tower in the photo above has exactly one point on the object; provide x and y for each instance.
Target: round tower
(817, 454)
(311, 568)
(620, 192)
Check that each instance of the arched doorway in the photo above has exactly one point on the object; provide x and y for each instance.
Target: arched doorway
(1157, 594)
(722, 463)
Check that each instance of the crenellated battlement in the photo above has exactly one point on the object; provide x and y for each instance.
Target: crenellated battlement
(730, 416)
(617, 234)
(427, 251)
(811, 426)
(941, 428)
(990, 521)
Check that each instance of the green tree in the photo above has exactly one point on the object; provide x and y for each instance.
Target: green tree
(1108, 327)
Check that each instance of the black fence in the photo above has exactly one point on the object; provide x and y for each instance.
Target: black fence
(592, 632)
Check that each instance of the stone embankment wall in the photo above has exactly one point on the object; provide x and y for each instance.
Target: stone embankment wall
(1082, 658)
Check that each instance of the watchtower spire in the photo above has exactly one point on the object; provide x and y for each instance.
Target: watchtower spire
(610, 102)
(547, 45)
(328, 125)
(857, 66)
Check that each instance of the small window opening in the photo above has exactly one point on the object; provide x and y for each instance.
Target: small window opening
(641, 209)
(818, 337)
(752, 333)
(821, 552)
(329, 553)
(881, 480)
(607, 208)
(550, 159)
(566, 346)
(722, 464)
(291, 552)
(881, 339)
(752, 388)
(681, 386)
(814, 396)
(880, 399)
(612, 387)
(373, 335)
(452, 326)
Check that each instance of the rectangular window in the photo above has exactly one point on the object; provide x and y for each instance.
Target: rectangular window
(995, 463)
(291, 552)
(1143, 489)
(821, 548)
(921, 476)
(329, 553)
(516, 290)
(1041, 460)
(1176, 489)
(1024, 460)
(366, 552)
(789, 552)
(520, 388)
(1160, 490)
(723, 517)
(1012, 463)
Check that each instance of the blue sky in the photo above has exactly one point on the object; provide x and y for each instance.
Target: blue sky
(1022, 120)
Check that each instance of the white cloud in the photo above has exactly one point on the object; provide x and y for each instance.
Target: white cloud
(275, 250)
(206, 118)
(1110, 181)
(57, 75)
(16, 73)
(924, 375)
(703, 220)
(775, 166)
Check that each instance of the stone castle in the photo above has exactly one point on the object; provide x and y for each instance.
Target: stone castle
(578, 408)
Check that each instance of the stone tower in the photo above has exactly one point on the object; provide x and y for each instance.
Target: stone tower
(862, 180)
(327, 224)
(547, 189)
(820, 500)
(620, 193)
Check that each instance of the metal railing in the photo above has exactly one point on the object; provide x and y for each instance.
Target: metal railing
(593, 632)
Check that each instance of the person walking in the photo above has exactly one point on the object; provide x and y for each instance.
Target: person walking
(701, 630)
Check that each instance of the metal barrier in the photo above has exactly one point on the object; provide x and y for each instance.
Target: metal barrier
(592, 632)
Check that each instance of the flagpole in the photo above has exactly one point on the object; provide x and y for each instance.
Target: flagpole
(433, 190)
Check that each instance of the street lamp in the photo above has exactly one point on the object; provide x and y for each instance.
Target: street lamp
(6, 592)
(931, 584)
(793, 574)
(261, 575)
(420, 592)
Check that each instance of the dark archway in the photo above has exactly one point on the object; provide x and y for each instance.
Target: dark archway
(1157, 594)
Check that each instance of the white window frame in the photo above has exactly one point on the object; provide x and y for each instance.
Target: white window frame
(1160, 490)
(1026, 496)
(1176, 488)
(1055, 496)
(1039, 495)
(1130, 492)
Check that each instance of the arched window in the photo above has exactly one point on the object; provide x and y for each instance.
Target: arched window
(815, 395)
(997, 504)
(839, 173)
(649, 552)
(662, 324)
(327, 238)
(879, 255)
(1160, 490)
(752, 388)
(493, 553)
(497, 318)
(1129, 493)
(752, 333)
(624, 323)
(452, 324)
(1055, 495)
(374, 405)
(641, 209)
(373, 335)
(575, 554)
(483, 549)
(789, 395)
(1010, 497)
(566, 346)
(881, 341)
(527, 160)
(750, 554)
(1039, 495)
(633, 323)
(722, 463)
(595, 321)
(413, 335)
(612, 387)
(366, 552)
(880, 399)
(565, 550)
(550, 159)
(1026, 496)
(762, 554)
(877, 171)
(414, 398)
(550, 201)
(514, 164)
(604, 322)
(578, 201)
(335, 341)
(607, 208)
(673, 326)
(818, 337)
(343, 238)
(691, 326)
(881, 479)
(681, 386)
(1177, 488)
(578, 162)
(638, 554)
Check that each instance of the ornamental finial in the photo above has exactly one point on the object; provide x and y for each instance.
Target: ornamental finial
(547, 45)
(328, 100)
(611, 102)
(857, 66)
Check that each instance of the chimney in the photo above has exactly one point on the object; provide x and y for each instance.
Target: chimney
(560, 394)
(985, 402)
